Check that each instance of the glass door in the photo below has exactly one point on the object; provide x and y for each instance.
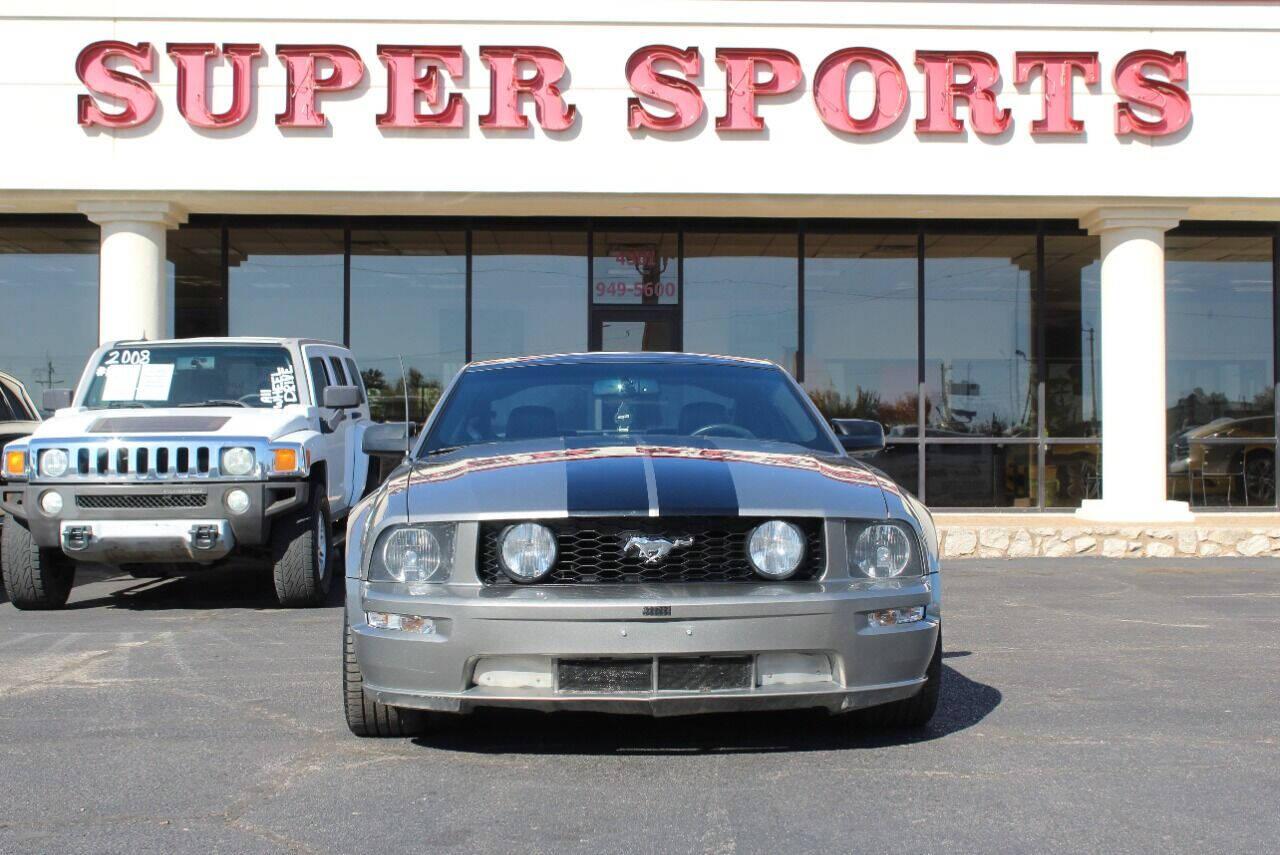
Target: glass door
(630, 330)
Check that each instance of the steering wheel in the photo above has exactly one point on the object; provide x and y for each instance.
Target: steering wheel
(724, 429)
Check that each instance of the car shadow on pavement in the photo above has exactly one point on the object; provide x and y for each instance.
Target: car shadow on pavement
(964, 703)
(239, 587)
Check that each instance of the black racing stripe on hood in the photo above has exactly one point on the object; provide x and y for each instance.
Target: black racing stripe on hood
(609, 485)
(695, 488)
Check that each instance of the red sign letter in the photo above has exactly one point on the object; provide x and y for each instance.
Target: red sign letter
(506, 87)
(831, 90)
(680, 95)
(941, 91)
(1057, 69)
(741, 87)
(193, 83)
(137, 95)
(303, 83)
(1171, 102)
(404, 84)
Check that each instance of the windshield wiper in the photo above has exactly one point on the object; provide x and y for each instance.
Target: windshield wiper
(120, 405)
(217, 402)
(445, 450)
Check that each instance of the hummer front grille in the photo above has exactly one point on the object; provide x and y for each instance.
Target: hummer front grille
(147, 459)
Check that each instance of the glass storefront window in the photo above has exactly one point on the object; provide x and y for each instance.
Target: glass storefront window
(529, 293)
(285, 282)
(860, 304)
(1073, 336)
(48, 302)
(1219, 339)
(635, 269)
(741, 295)
(981, 475)
(980, 365)
(1072, 474)
(408, 299)
(195, 278)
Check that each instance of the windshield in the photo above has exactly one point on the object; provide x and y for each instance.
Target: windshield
(259, 376)
(664, 403)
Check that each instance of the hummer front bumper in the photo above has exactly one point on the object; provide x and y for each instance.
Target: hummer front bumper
(141, 523)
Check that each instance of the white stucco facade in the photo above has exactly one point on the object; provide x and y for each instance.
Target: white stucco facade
(136, 183)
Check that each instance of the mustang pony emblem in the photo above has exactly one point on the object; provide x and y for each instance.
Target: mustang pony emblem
(651, 550)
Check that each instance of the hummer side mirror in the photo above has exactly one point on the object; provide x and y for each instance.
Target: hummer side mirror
(341, 397)
(859, 436)
(56, 399)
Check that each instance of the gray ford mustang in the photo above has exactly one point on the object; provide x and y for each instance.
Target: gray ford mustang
(654, 533)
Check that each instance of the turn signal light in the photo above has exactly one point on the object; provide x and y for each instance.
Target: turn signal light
(284, 460)
(15, 463)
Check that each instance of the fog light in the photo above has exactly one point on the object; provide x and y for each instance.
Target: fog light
(237, 501)
(51, 503)
(893, 617)
(401, 623)
(513, 672)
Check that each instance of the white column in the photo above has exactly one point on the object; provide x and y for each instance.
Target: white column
(1133, 358)
(133, 288)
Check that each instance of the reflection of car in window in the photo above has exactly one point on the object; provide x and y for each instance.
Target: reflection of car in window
(656, 533)
(1227, 461)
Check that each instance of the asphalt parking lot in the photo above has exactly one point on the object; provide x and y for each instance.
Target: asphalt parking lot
(1087, 706)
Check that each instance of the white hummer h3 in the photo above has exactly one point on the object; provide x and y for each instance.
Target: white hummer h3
(189, 452)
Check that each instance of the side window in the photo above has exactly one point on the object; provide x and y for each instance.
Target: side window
(339, 373)
(319, 379)
(9, 410)
(355, 379)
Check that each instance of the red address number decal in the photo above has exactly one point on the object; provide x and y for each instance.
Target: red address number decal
(636, 289)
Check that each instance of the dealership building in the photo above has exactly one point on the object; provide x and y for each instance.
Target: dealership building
(1037, 241)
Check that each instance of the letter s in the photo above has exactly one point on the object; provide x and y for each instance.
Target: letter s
(138, 97)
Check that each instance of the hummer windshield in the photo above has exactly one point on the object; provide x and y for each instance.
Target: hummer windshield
(194, 375)
(691, 404)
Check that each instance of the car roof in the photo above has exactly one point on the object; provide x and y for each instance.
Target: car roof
(247, 339)
(649, 357)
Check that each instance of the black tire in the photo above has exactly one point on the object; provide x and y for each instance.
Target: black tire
(35, 578)
(302, 554)
(365, 716)
(915, 711)
(1258, 470)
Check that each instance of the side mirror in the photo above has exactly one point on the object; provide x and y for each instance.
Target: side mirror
(341, 397)
(387, 440)
(860, 436)
(56, 399)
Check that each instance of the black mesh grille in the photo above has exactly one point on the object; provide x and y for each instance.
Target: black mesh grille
(591, 551)
(130, 501)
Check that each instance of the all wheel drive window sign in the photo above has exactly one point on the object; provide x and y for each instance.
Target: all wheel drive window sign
(1150, 95)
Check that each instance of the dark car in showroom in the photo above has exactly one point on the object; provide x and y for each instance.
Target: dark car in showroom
(661, 534)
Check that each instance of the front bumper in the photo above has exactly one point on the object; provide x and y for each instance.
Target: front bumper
(870, 665)
(143, 534)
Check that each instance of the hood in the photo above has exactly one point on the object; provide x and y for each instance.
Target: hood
(211, 422)
(643, 480)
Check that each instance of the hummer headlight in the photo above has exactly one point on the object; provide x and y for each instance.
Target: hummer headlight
(413, 553)
(54, 462)
(237, 461)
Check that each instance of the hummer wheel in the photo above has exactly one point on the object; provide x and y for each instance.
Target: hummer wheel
(365, 716)
(302, 554)
(35, 578)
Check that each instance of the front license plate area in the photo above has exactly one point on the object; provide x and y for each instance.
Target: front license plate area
(704, 674)
(604, 676)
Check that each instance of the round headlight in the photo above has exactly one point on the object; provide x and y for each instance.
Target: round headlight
(882, 551)
(54, 463)
(412, 555)
(237, 501)
(237, 461)
(528, 551)
(775, 549)
(51, 503)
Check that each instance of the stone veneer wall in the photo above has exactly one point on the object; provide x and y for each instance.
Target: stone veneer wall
(1059, 536)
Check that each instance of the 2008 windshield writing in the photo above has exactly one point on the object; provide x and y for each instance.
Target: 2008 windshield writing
(194, 376)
